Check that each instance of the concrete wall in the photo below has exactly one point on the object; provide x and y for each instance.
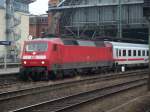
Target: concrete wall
(2, 30)
(22, 29)
(24, 25)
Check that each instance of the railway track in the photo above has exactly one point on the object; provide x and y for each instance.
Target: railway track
(11, 79)
(12, 100)
(65, 104)
(8, 79)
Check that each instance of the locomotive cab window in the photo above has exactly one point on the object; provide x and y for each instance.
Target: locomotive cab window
(36, 46)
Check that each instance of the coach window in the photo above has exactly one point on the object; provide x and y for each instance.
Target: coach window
(134, 52)
(143, 53)
(119, 52)
(124, 52)
(147, 53)
(139, 52)
(129, 52)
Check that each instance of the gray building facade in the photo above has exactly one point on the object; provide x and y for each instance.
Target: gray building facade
(102, 17)
(14, 26)
(19, 5)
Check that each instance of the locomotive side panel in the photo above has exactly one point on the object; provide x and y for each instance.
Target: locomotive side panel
(81, 56)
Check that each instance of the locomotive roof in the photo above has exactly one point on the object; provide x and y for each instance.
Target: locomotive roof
(68, 41)
(81, 42)
(54, 40)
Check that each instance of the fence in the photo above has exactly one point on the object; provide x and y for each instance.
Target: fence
(9, 60)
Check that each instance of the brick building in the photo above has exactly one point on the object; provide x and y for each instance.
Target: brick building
(38, 25)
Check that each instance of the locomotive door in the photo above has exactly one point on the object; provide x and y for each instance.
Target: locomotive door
(57, 61)
(57, 55)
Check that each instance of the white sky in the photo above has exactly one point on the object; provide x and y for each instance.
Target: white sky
(38, 7)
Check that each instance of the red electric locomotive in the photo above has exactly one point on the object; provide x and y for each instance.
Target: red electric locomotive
(46, 58)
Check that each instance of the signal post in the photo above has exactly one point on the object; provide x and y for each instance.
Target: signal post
(146, 14)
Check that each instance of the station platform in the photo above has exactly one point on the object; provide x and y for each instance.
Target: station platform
(9, 71)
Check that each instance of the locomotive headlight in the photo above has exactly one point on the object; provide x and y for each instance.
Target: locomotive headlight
(25, 62)
(43, 62)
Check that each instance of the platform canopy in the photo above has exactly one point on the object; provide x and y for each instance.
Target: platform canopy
(26, 1)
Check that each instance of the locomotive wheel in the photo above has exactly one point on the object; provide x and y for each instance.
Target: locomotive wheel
(23, 75)
(46, 75)
(119, 69)
(52, 75)
(35, 76)
(69, 73)
(59, 74)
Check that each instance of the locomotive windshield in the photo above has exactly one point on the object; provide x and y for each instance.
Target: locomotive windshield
(31, 47)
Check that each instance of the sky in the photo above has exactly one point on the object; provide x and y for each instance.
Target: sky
(38, 7)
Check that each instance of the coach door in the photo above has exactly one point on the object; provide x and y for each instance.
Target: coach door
(117, 53)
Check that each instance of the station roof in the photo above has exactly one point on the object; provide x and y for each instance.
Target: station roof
(26, 1)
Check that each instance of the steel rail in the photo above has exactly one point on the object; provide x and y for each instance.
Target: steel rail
(39, 89)
(12, 78)
(20, 95)
(8, 79)
(65, 103)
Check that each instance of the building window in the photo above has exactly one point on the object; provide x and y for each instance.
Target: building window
(43, 30)
(2, 3)
(22, 7)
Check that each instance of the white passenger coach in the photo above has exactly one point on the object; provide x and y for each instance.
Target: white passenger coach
(129, 54)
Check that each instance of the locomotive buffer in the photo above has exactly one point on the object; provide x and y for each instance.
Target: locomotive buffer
(146, 14)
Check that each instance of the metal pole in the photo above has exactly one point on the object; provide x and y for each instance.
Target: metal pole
(5, 60)
(78, 35)
(119, 19)
(149, 52)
